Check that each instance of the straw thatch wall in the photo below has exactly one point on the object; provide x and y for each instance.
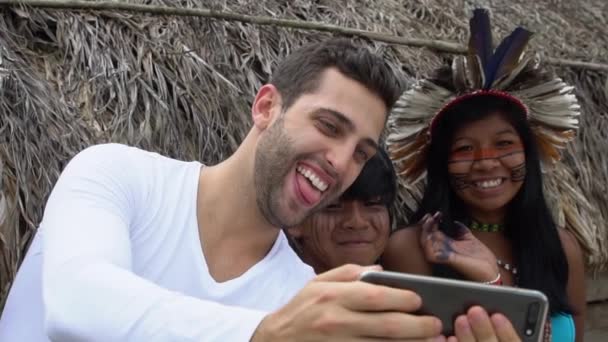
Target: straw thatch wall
(182, 86)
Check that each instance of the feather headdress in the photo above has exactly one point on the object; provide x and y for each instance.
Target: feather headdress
(548, 103)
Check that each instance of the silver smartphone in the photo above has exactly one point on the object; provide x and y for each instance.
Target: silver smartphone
(448, 298)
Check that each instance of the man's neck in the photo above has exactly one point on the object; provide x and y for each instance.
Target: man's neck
(234, 234)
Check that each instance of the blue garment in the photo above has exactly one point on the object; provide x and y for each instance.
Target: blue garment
(562, 328)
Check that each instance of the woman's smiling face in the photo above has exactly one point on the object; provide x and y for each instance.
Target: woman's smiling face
(487, 165)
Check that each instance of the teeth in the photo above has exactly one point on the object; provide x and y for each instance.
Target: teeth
(314, 179)
(489, 183)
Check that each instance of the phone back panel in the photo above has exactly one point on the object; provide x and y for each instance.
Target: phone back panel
(448, 298)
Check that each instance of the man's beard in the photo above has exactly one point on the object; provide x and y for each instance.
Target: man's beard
(275, 157)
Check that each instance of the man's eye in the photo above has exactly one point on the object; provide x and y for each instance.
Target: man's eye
(328, 127)
(362, 155)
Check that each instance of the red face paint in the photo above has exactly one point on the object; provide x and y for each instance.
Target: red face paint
(484, 153)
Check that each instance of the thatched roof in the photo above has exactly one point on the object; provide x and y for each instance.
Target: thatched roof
(182, 86)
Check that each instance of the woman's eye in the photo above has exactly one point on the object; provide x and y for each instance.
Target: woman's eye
(504, 143)
(464, 148)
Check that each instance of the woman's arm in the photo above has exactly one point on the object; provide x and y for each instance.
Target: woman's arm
(576, 281)
(403, 252)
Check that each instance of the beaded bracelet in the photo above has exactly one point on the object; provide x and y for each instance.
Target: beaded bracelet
(509, 267)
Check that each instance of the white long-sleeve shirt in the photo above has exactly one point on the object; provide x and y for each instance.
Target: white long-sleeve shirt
(118, 258)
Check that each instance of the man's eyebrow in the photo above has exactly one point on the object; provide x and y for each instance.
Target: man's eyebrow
(344, 120)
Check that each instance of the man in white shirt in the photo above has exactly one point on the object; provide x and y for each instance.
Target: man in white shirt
(134, 246)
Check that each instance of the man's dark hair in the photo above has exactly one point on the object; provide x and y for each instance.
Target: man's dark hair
(300, 72)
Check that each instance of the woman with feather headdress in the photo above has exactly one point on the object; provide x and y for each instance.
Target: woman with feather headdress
(480, 134)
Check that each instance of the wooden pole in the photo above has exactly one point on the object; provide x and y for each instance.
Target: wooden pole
(437, 45)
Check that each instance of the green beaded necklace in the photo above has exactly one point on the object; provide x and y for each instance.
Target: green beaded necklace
(487, 227)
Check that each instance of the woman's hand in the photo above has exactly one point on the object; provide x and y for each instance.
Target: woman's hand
(466, 254)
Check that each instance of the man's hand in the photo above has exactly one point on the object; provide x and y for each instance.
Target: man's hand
(334, 306)
(477, 326)
(466, 254)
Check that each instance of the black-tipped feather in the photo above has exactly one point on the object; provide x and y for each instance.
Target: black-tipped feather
(506, 56)
(480, 40)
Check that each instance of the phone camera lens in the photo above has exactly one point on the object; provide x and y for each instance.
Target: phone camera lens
(533, 313)
(531, 319)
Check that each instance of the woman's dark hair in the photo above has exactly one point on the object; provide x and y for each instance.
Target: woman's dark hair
(537, 249)
(376, 180)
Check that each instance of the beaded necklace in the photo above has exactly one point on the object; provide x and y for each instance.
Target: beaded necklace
(487, 227)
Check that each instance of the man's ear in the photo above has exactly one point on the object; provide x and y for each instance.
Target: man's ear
(266, 105)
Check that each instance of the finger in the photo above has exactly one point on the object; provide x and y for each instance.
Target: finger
(428, 227)
(435, 220)
(380, 339)
(424, 231)
(463, 230)
(452, 339)
(423, 218)
(361, 296)
(349, 272)
(504, 329)
(437, 217)
(481, 325)
(462, 329)
(393, 325)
